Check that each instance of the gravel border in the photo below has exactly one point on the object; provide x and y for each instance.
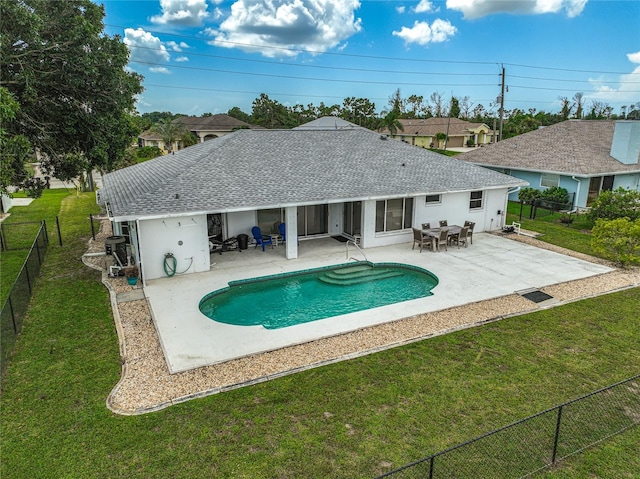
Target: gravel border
(146, 384)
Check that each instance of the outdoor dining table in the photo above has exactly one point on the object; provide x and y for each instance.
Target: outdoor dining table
(434, 233)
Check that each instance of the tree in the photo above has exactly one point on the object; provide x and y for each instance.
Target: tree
(391, 122)
(565, 109)
(578, 102)
(396, 103)
(438, 108)
(359, 111)
(615, 204)
(172, 131)
(454, 108)
(70, 81)
(415, 104)
(270, 113)
(238, 114)
(617, 240)
(14, 149)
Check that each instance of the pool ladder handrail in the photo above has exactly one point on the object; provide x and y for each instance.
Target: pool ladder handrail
(358, 248)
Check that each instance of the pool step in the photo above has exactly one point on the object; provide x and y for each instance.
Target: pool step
(357, 277)
(351, 269)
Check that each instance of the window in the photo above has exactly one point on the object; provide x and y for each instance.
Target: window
(475, 201)
(433, 199)
(549, 179)
(394, 215)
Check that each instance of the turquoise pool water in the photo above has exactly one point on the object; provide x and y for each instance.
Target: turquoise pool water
(288, 299)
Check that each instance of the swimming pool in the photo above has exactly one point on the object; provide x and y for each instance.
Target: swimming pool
(288, 299)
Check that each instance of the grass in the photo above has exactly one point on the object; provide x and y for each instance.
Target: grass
(22, 236)
(576, 236)
(352, 419)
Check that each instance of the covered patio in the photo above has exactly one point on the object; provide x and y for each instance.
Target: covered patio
(490, 268)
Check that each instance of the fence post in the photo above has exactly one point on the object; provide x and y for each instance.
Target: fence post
(557, 436)
(13, 316)
(93, 231)
(46, 234)
(433, 458)
(59, 234)
(3, 239)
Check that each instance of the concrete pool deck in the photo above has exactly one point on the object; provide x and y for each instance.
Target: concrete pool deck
(490, 268)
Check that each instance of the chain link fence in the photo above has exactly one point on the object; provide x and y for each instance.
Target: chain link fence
(525, 447)
(17, 302)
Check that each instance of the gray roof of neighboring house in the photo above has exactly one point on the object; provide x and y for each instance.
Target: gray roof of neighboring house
(252, 169)
(572, 147)
(219, 122)
(328, 123)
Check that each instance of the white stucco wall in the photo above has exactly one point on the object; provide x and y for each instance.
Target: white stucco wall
(185, 237)
(241, 223)
(454, 208)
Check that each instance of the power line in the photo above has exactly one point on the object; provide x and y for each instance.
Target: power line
(373, 57)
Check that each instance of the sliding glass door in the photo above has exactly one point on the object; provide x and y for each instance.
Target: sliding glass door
(313, 220)
(351, 218)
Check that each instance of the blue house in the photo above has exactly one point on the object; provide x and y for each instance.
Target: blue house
(584, 157)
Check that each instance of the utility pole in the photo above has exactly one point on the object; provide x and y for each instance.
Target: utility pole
(501, 103)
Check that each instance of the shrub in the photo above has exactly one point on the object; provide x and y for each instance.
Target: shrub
(33, 187)
(555, 194)
(614, 204)
(528, 195)
(617, 240)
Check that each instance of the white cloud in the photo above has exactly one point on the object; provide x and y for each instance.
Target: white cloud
(626, 91)
(182, 12)
(425, 6)
(159, 70)
(400, 9)
(182, 59)
(422, 33)
(316, 25)
(634, 57)
(480, 8)
(177, 47)
(144, 47)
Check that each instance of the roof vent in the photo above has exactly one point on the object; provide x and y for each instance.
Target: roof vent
(383, 137)
(177, 196)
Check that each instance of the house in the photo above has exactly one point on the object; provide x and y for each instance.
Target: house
(460, 133)
(583, 156)
(351, 182)
(203, 127)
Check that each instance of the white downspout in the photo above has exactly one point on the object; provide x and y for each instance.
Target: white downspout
(575, 203)
(506, 205)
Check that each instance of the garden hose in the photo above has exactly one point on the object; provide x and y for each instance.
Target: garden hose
(170, 264)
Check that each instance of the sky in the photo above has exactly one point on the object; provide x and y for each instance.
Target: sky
(208, 56)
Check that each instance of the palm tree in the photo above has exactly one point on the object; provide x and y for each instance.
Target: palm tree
(391, 122)
(170, 131)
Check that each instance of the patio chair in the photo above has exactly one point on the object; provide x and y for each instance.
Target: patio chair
(423, 240)
(426, 226)
(470, 225)
(260, 239)
(441, 239)
(282, 229)
(461, 237)
(443, 223)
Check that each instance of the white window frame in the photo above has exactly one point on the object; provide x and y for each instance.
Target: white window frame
(473, 201)
(437, 201)
(405, 213)
(547, 180)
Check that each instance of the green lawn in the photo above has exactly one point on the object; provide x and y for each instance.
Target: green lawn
(346, 420)
(576, 236)
(22, 235)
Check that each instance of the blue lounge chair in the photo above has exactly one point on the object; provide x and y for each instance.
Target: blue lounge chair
(282, 229)
(260, 239)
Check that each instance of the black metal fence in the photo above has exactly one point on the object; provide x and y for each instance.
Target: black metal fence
(15, 306)
(537, 442)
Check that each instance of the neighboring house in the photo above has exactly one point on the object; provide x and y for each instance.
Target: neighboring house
(203, 127)
(350, 182)
(460, 133)
(583, 156)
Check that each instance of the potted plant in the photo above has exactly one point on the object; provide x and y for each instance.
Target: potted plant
(131, 273)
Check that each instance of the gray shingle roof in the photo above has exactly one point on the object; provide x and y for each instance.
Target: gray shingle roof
(252, 169)
(572, 147)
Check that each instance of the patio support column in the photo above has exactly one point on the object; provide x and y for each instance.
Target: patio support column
(291, 220)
